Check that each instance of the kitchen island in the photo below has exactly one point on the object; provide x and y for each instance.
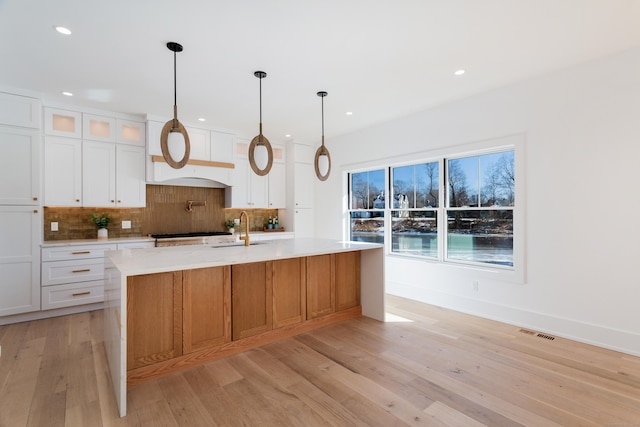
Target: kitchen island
(168, 309)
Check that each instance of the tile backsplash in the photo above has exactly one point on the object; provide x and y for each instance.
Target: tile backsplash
(166, 212)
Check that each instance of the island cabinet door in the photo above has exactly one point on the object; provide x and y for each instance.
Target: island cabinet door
(206, 307)
(289, 292)
(347, 280)
(154, 318)
(320, 285)
(251, 299)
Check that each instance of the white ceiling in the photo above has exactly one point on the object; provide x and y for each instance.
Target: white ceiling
(380, 59)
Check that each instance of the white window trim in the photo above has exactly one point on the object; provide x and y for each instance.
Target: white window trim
(515, 142)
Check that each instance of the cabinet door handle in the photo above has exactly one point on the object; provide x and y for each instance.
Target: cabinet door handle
(80, 253)
(84, 270)
(119, 201)
(35, 211)
(81, 293)
(78, 200)
(35, 198)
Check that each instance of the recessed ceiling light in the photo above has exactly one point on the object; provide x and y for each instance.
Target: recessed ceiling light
(202, 119)
(65, 93)
(63, 30)
(287, 135)
(349, 113)
(459, 72)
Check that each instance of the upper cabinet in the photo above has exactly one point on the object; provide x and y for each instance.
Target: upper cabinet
(221, 147)
(204, 144)
(100, 162)
(19, 166)
(98, 128)
(62, 123)
(21, 111)
(250, 190)
(130, 132)
(62, 171)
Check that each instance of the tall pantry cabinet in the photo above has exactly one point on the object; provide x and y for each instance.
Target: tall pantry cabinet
(20, 204)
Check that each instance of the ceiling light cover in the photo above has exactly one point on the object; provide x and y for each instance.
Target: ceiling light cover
(260, 151)
(62, 30)
(174, 126)
(322, 159)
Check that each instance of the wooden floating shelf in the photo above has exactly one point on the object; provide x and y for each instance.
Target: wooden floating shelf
(195, 162)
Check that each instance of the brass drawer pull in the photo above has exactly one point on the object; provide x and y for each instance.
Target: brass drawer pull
(81, 293)
(85, 270)
(80, 253)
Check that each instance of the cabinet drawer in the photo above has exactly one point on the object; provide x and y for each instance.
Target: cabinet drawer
(75, 252)
(59, 272)
(72, 294)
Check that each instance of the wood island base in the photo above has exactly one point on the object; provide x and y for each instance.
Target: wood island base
(146, 373)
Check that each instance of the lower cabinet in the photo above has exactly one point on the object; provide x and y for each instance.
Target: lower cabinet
(154, 318)
(347, 274)
(289, 292)
(321, 285)
(251, 299)
(181, 312)
(207, 308)
(333, 283)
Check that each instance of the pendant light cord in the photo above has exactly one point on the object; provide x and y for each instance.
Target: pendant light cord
(175, 81)
(322, 97)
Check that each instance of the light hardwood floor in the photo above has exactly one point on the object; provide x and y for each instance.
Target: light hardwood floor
(425, 366)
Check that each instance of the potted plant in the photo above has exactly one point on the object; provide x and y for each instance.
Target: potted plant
(230, 224)
(101, 222)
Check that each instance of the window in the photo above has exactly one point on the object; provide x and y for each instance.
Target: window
(367, 206)
(414, 218)
(472, 224)
(480, 201)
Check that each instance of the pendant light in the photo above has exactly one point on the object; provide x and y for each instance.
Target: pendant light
(173, 133)
(260, 152)
(322, 160)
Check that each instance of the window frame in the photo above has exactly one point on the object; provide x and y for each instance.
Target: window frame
(515, 143)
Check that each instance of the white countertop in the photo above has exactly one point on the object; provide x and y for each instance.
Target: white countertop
(51, 243)
(131, 262)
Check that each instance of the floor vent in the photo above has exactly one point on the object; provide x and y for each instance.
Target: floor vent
(547, 337)
(528, 332)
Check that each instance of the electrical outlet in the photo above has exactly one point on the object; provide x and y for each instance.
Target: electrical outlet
(475, 285)
(54, 226)
(237, 221)
(126, 225)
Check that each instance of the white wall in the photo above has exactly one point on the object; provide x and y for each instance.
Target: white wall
(582, 200)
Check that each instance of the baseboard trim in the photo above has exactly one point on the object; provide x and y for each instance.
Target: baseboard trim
(613, 339)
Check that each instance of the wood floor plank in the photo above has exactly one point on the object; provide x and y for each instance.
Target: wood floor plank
(425, 366)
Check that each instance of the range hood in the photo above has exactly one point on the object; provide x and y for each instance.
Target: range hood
(196, 173)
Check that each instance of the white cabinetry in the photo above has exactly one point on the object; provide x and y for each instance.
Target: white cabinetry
(250, 190)
(98, 173)
(19, 166)
(222, 147)
(104, 169)
(59, 122)
(112, 175)
(22, 111)
(62, 171)
(277, 179)
(20, 199)
(131, 188)
(130, 132)
(98, 128)
(300, 211)
(73, 275)
(20, 230)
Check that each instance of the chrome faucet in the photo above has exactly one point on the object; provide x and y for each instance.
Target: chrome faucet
(246, 227)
